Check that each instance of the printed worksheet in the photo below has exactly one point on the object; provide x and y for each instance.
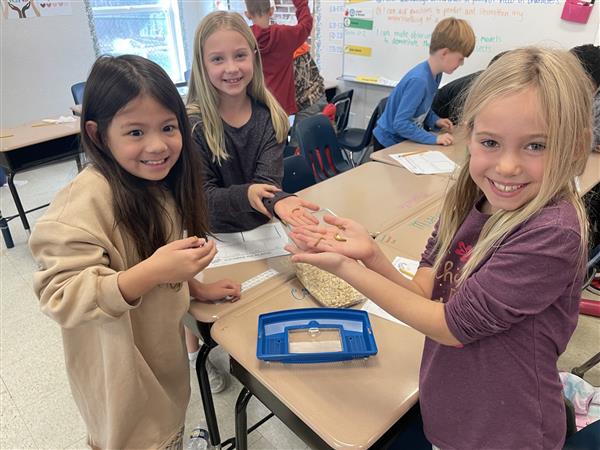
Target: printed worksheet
(426, 162)
(263, 242)
(408, 268)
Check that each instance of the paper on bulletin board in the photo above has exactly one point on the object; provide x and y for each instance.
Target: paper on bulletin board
(27, 9)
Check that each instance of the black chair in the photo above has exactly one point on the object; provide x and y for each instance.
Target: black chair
(297, 175)
(319, 146)
(77, 92)
(342, 102)
(357, 140)
(588, 438)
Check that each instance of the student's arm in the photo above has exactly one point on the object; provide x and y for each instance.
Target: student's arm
(76, 283)
(292, 37)
(219, 290)
(406, 112)
(431, 120)
(418, 312)
(501, 293)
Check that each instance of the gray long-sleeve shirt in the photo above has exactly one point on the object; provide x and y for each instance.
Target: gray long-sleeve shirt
(255, 156)
(514, 314)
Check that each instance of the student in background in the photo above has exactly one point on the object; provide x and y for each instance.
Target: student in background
(449, 98)
(116, 271)
(408, 108)
(277, 44)
(310, 88)
(589, 56)
(513, 206)
(240, 130)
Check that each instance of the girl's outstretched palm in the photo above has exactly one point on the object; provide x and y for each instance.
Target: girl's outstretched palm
(343, 236)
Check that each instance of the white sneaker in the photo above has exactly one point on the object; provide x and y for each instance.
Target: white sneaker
(216, 377)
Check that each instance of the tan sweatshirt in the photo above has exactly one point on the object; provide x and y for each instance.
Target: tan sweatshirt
(127, 364)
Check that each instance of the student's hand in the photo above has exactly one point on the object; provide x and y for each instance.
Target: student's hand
(258, 191)
(224, 289)
(329, 261)
(343, 236)
(181, 260)
(444, 139)
(444, 123)
(296, 212)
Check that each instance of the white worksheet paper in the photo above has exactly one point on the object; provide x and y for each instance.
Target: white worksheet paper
(426, 163)
(407, 265)
(263, 242)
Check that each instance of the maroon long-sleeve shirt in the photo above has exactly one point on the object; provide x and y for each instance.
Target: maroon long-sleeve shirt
(515, 315)
(277, 44)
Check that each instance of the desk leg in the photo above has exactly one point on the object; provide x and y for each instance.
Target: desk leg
(207, 400)
(6, 232)
(241, 420)
(17, 200)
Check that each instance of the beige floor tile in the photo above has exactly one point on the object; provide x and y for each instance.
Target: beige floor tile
(31, 336)
(54, 421)
(14, 433)
(37, 376)
(281, 436)
(80, 444)
(584, 343)
(262, 444)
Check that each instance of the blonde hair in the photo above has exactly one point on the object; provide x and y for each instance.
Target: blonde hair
(454, 34)
(203, 98)
(565, 104)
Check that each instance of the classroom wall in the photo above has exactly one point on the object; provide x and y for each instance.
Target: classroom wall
(366, 97)
(42, 57)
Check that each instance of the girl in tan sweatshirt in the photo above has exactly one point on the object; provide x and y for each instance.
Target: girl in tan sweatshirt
(116, 269)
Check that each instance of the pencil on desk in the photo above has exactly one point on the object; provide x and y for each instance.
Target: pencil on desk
(412, 153)
(6, 135)
(42, 124)
(406, 272)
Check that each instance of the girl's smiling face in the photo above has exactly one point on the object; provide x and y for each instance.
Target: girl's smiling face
(229, 62)
(144, 138)
(508, 150)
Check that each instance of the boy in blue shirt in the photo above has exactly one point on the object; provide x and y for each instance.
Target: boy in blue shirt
(408, 108)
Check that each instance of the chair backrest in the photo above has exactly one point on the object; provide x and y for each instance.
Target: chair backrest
(77, 92)
(319, 146)
(377, 112)
(342, 102)
(297, 174)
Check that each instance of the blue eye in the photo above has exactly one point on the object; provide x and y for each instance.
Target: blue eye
(489, 143)
(536, 147)
(241, 56)
(216, 59)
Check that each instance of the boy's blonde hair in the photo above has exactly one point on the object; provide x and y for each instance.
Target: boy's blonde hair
(565, 105)
(454, 34)
(258, 7)
(203, 98)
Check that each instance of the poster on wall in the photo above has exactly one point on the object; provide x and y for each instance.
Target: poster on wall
(26, 9)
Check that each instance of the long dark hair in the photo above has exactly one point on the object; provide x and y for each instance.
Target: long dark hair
(113, 82)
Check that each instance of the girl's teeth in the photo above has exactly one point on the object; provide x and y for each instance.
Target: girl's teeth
(154, 163)
(504, 188)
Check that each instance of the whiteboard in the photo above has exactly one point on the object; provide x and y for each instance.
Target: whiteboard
(384, 39)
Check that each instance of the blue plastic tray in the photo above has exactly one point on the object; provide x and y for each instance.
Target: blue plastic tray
(314, 335)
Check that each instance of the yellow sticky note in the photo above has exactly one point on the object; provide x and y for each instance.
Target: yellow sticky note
(367, 79)
(357, 50)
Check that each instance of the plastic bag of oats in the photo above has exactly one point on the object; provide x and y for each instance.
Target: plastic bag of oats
(326, 288)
